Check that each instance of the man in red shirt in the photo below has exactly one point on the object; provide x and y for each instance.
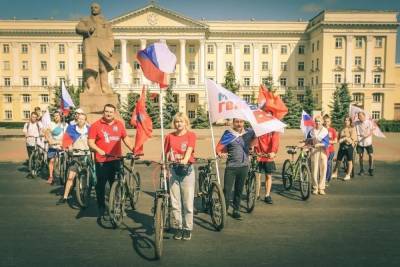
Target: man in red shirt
(105, 137)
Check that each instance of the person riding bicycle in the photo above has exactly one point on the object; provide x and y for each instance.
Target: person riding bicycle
(32, 131)
(235, 144)
(331, 148)
(179, 149)
(364, 128)
(75, 137)
(54, 135)
(347, 140)
(104, 138)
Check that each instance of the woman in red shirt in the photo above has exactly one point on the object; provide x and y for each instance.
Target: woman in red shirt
(179, 149)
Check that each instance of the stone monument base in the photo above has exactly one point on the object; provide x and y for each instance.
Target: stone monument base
(93, 105)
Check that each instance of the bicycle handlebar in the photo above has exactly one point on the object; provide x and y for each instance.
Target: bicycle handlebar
(205, 160)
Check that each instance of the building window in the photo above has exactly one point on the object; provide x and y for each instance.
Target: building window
(359, 42)
(26, 114)
(43, 65)
(283, 49)
(136, 81)
(247, 98)
(264, 65)
(377, 79)
(8, 98)
(80, 81)
(376, 115)
(192, 66)
(192, 81)
(25, 81)
(191, 98)
(80, 65)
(26, 98)
(246, 65)
(228, 64)
(300, 82)
(283, 66)
(228, 49)
(338, 61)
(300, 66)
(176, 98)
(191, 114)
(338, 42)
(264, 49)
(136, 65)
(357, 61)
(301, 50)
(172, 81)
(7, 81)
(317, 66)
(24, 49)
(8, 114)
(316, 80)
(377, 97)
(246, 49)
(358, 97)
(6, 65)
(80, 48)
(210, 65)
(210, 49)
(283, 82)
(300, 98)
(338, 78)
(357, 78)
(61, 48)
(265, 80)
(246, 81)
(6, 48)
(378, 42)
(61, 65)
(44, 81)
(312, 64)
(378, 61)
(191, 49)
(24, 65)
(43, 49)
(61, 80)
(44, 98)
(317, 45)
(312, 47)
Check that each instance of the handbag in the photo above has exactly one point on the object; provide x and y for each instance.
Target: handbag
(182, 169)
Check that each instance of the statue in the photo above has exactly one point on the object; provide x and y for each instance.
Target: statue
(98, 45)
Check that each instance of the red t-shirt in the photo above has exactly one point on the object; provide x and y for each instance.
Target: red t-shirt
(177, 145)
(267, 143)
(108, 138)
(332, 136)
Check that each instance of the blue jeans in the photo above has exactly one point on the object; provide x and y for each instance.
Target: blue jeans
(329, 167)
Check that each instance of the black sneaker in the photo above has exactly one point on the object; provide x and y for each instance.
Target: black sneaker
(361, 173)
(178, 234)
(268, 200)
(61, 201)
(102, 211)
(371, 172)
(187, 235)
(236, 214)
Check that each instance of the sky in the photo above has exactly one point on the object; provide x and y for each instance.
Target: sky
(208, 9)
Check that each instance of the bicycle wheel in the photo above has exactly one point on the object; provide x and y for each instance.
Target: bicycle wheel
(305, 182)
(217, 206)
(34, 164)
(159, 220)
(134, 189)
(63, 169)
(83, 188)
(57, 169)
(116, 204)
(287, 175)
(203, 191)
(251, 192)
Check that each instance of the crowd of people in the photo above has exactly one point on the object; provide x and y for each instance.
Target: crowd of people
(105, 137)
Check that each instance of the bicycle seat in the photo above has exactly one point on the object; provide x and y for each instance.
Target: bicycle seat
(292, 151)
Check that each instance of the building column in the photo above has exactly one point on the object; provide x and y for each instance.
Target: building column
(16, 80)
(124, 67)
(368, 60)
(52, 65)
(182, 64)
(292, 66)
(275, 65)
(219, 64)
(256, 65)
(202, 60)
(238, 62)
(71, 64)
(349, 58)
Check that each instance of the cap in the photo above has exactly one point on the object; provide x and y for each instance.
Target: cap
(79, 110)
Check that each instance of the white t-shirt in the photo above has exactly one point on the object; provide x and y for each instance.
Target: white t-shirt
(57, 131)
(32, 130)
(364, 129)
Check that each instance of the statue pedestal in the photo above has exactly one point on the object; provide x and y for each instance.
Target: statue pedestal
(93, 105)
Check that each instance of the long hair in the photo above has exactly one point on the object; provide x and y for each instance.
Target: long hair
(182, 116)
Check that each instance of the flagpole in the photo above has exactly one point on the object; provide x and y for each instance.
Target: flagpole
(212, 138)
(163, 160)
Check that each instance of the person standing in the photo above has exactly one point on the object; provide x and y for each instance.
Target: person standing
(331, 148)
(104, 138)
(364, 129)
(179, 149)
(32, 131)
(235, 144)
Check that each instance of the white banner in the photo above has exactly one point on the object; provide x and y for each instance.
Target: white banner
(354, 110)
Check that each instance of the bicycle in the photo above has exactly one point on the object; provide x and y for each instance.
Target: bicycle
(250, 183)
(60, 166)
(37, 159)
(126, 186)
(212, 196)
(85, 176)
(297, 171)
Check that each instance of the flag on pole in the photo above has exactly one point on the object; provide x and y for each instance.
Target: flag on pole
(66, 100)
(142, 122)
(306, 123)
(269, 102)
(353, 112)
(224, 104)
(156, 62)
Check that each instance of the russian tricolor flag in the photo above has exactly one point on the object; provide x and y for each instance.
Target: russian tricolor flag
(71, 135)
(66, 100)
(306, 123)
(227, 137)
(157, 61)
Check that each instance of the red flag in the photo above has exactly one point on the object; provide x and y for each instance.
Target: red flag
(269, 102)
(142, 122)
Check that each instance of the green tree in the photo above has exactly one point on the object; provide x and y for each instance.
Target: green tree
(170, 107)
(153, 110)
(201, 121)
(230, 80)
(292, 118)
(128, 107)
(308, 103)
(268, 82)
(340, 105)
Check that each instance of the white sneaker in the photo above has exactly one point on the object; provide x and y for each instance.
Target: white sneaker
(315, 192)
(346, 178)
(334, 176)
(322, 192)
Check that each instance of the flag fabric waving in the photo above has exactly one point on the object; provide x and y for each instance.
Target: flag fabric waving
(320, 135)
(224, 104)
(157, 61)
(66, 100)
(46, 120)
(306, 123)
(269, 102)
(353, 112)
(142, 122)
(71, 135)
(227, 137)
